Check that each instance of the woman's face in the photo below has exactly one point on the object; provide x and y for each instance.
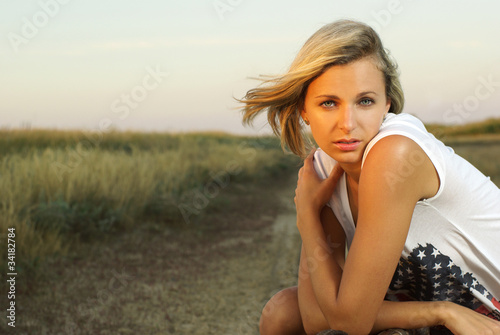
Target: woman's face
(345, 107)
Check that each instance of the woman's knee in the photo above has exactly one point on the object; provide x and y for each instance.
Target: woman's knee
(281, 314)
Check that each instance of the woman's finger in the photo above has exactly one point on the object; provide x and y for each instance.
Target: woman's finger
(310, 157)
(301, 171)
(308, 162)
(336, 172)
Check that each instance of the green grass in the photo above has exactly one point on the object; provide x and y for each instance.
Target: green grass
(59, 187)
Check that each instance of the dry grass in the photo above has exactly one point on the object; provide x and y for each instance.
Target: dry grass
(487, 127)
(478, 142)
(58, 187)
(483, 154)
(212, 277)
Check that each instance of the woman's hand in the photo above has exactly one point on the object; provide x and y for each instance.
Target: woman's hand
(461, 320)
(312, 193)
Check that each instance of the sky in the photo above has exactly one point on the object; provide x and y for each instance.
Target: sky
(176, 66)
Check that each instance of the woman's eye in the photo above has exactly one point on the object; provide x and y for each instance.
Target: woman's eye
(366, 102)
(328, 104)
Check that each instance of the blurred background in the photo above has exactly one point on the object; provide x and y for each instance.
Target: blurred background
(182, 221)
(70, 64)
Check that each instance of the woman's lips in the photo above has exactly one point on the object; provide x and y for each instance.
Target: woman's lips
(348, 145)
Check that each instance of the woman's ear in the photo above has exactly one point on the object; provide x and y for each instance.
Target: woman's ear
(303, 114)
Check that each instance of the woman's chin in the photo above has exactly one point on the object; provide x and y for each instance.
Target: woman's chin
(343, 157)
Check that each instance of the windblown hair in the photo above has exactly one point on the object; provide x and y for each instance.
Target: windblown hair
(337, 43)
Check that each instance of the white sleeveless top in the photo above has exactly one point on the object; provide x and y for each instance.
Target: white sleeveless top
(452, 252)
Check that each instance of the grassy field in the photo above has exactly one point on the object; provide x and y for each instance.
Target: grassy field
(484, 128)
(172, 226)
(479, 143)
(482, 153)
(61, 187)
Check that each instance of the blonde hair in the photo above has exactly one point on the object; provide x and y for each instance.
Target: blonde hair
(337, 43)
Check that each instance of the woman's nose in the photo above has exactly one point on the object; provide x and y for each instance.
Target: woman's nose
(347, 121)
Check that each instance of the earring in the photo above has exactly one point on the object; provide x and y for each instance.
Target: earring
(306, 121)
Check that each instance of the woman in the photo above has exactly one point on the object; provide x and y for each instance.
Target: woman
(420, 223)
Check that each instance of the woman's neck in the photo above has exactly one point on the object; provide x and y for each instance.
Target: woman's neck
(352, 171)
(352, 194)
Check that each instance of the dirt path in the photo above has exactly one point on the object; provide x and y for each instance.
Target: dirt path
(159, 280)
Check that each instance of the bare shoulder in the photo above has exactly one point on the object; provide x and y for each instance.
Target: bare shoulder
(398, 164)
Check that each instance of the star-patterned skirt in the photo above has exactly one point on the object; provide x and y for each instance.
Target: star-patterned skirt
(428, 275)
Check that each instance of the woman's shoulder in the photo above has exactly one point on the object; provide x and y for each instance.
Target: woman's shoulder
(411, 128)
(402, 121)
(398, 167)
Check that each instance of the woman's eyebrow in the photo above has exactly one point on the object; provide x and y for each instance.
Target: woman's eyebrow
(332, 96)
(366, 93)
(327, 96)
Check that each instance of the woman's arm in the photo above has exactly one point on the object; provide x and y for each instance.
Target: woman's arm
(331, 251)
(388, 191)
(405, 315)
(418, 314)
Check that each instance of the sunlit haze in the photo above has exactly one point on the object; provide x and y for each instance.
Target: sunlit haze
(177, 65)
